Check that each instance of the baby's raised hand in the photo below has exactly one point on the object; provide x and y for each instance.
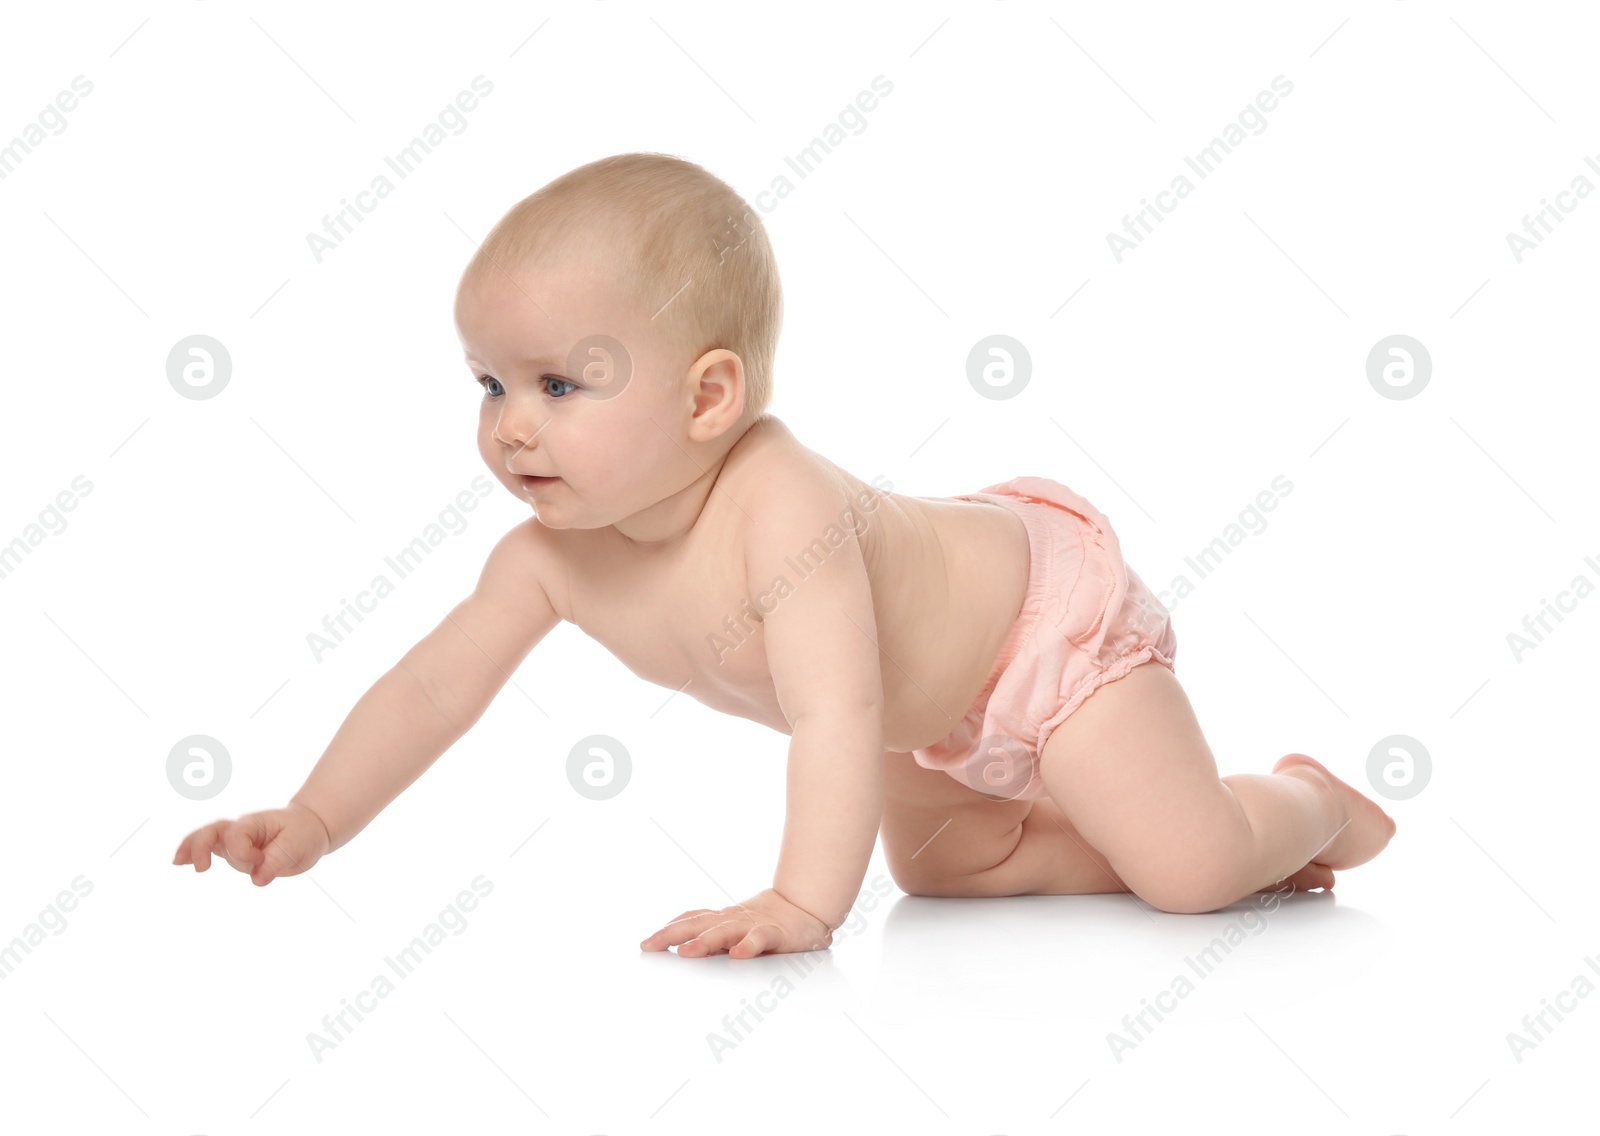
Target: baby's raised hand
(277, 842)
(764, 924)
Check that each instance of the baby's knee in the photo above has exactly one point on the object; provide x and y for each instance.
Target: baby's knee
(913, 878)
(1188, 885)
(926, 878)
(931, 877)
(929, 884)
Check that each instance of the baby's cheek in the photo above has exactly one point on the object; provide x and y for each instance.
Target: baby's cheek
(485, 447)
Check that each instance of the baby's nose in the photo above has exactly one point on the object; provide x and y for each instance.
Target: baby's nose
(515, 427)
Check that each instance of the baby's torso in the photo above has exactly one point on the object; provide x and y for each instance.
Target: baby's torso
(947, 577)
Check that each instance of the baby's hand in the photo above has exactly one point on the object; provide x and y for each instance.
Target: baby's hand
(766, 923)
(277, 842)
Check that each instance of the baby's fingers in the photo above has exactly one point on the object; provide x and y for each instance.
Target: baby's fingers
(242, 841)
(714, 939)
(762, 937)
(196, 847)
(680, 930)
(277, 859)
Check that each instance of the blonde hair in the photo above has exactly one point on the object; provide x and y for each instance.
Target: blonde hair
(692, 250)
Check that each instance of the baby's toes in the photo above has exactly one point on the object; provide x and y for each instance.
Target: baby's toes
(1311, 877)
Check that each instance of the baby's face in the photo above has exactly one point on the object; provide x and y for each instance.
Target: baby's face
(583, 400)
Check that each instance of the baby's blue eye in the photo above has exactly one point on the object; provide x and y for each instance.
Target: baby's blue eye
(497, 390)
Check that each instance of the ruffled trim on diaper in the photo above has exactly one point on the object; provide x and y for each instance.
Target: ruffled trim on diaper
(1148, 653)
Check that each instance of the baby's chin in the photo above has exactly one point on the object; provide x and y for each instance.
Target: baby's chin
(555, 515)
(552, 518)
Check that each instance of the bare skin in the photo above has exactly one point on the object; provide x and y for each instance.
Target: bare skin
(667, 521)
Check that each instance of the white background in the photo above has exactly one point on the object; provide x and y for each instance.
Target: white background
(1228, 349)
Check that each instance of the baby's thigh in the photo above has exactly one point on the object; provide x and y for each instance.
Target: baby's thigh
(1132, 769)
(935, 828)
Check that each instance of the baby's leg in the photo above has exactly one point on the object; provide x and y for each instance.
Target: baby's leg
(1132, 770)
(944, 839)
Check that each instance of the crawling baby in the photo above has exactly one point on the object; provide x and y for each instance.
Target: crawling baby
(980, 679)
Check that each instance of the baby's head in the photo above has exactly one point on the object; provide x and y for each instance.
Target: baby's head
(622, 321)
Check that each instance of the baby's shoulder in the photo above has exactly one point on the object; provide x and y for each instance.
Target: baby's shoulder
(531, 561)
(775, 472)
(789, 498)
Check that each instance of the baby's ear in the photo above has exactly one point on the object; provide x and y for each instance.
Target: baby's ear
(717, 382)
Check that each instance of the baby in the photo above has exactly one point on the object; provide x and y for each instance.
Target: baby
(980, 679)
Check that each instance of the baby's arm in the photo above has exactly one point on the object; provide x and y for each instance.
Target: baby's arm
(400, 726)
(821, 643)
(821, 646)
(435, 693)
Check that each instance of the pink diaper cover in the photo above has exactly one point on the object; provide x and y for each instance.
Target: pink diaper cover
(1087, 619)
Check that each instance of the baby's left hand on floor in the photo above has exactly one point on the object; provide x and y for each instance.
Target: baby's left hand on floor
(764, 924)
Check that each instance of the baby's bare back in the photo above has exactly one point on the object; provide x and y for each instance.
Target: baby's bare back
(947, 580)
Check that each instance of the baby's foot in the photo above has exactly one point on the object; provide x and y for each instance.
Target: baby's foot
(1367, 828)
(1308, 878)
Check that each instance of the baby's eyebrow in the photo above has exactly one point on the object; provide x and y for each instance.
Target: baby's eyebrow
(549, 362)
